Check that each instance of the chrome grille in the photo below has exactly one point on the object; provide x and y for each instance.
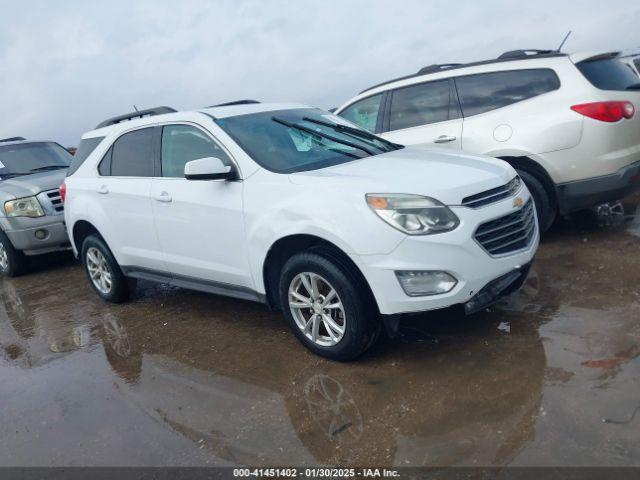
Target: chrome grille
(510, 233)
(56, 200)
(494, 195)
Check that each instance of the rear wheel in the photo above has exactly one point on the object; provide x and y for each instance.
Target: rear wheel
(545, 205)
(103, 270)
(12, 262)
(326, 308)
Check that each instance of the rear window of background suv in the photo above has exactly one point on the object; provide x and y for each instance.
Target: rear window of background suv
(608, 74)
(85, 148)
(483, 92)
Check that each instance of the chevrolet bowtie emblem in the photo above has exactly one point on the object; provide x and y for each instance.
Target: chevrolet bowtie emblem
(517, 202)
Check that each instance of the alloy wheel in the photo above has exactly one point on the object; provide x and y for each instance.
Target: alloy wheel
(98, 270)
(317, 309)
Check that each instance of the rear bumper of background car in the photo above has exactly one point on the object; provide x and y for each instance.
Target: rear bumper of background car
(583, 194)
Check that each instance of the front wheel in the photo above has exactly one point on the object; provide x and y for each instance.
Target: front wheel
(326, 307)
(103, 270)
(12, 261)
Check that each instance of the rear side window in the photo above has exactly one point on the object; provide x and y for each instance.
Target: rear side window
(132, 154)
(608, 74)
(104, 168)
(487, 91)
(364, 112)
(420, 105)
(183, 143)
(85, 148)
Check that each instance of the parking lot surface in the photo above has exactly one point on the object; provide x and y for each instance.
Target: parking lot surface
(550, 376)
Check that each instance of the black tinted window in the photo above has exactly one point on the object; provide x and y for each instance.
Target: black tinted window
(364, 113)
(133, 154)
(181, 144)
(419, 105)
(608, 74)
(636, 62)
(85, 148)
(488, 91)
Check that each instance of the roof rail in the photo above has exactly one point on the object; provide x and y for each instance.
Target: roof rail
(437, 67)
(13, 139)
(525, 53)
(235, 102)
(505, 57)
(149, 112)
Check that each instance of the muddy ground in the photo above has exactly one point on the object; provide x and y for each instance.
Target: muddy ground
(550, 376)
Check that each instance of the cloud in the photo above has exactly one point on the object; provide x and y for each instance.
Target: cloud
(68, 65)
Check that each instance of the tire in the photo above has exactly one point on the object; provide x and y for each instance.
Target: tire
(12, 262)
(94, 251)
(545, 206)
(357, 316)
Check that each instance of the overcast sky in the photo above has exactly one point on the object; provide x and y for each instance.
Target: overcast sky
(67, 65)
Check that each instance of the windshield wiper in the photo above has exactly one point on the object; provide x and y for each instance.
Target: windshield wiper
(353, 131)
(635, 86)
(311, 131)
(47, 167)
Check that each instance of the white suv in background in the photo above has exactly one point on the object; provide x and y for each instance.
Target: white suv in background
(566, 123)
(295, 207)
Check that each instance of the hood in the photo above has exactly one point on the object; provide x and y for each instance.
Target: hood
(447, 176)
(28, 185)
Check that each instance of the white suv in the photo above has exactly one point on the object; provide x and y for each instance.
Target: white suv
(566, 123)
(295, 207)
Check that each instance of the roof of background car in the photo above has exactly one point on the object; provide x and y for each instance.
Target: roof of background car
(582, 56)
(216, 112)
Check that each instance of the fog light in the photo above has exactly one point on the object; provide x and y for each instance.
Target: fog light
(41, 234)
(419, 283)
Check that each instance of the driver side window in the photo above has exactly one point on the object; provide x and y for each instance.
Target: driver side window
(183, 143)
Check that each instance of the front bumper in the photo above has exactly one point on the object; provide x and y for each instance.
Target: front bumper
(22, 234)
(496, 289)
(583, 194)
(455, 252)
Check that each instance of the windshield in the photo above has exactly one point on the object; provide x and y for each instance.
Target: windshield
(27, 158)
(608, 74)
(287, 141)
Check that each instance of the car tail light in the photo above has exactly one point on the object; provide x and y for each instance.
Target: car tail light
(63, 191)
(606, 111)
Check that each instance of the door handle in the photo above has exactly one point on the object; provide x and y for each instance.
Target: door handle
(444, 139)
(103, 190)
(163, 197)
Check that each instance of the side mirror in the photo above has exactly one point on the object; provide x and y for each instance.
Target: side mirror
(209, 168)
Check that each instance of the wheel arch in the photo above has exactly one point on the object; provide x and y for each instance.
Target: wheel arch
(284, 248)
(82, 229)
(534, 168)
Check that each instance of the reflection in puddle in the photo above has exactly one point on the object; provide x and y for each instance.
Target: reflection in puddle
(332, 408)
(633, 227)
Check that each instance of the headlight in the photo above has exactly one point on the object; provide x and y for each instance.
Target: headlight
(413, 214)
(23, 207)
